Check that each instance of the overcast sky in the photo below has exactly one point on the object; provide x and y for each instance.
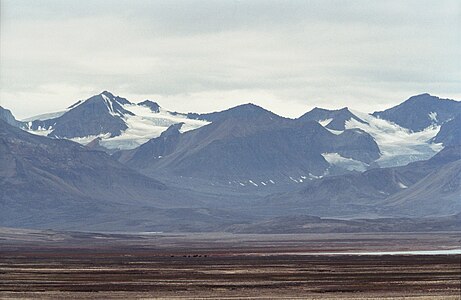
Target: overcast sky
(200, 56)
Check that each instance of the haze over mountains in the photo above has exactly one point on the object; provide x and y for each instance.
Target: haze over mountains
(142, 167)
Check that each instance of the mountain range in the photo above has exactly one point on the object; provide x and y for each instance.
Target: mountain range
(249, 143)
(115, 120)
(422, 188)
(168, 171)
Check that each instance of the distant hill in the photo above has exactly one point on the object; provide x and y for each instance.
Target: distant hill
(422, 188)
(49, 182)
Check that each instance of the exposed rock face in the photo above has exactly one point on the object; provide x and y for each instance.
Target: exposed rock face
(421, 111)
(450, 133)
(336, 118)
(7, 116)
(100, 114)
(152, 105)
(249, 142)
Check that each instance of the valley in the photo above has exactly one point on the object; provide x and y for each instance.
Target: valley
(73, 265)
(230, 149)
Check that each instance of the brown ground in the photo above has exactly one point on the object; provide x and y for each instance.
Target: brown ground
(81, 266)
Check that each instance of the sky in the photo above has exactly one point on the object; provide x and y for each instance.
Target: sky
(203, 56)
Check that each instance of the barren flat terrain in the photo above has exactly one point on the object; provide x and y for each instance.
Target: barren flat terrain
(45, 264)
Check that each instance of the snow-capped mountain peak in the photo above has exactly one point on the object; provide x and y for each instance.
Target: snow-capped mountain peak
(331, 119)
(113, 106)
(121, 124)
(118, 122)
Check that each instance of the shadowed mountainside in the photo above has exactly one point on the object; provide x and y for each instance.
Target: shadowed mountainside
(248, 143)
(421, 111)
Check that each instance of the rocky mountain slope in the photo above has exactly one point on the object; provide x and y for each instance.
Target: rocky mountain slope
(244, 165)
(115, 120)
(7, 116)
(249, 145)
(421, 111)
(421, 188)
(53, 181)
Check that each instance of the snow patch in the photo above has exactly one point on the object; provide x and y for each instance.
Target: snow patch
(87, 139)
(41, 131)
(345, 163)
(337, 132)
(312, 176)
(325, 122)
(250, 181)
(292, 179)
(402, 186)
(433, 116)
(110, 107)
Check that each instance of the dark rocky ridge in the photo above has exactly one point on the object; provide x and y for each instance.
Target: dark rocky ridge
(151, 104)
(338, 117)
(450, 133)
(248, 142)
(247, 112)
(100, 114)
(414, 113)
(7, 116)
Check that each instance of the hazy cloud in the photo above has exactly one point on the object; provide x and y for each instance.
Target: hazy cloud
(202, 56)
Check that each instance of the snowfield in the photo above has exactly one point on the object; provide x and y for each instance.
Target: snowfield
(399, 146)
(145, 125)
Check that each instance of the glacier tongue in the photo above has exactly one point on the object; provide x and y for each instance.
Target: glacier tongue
(399, 146)
(145, 124)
